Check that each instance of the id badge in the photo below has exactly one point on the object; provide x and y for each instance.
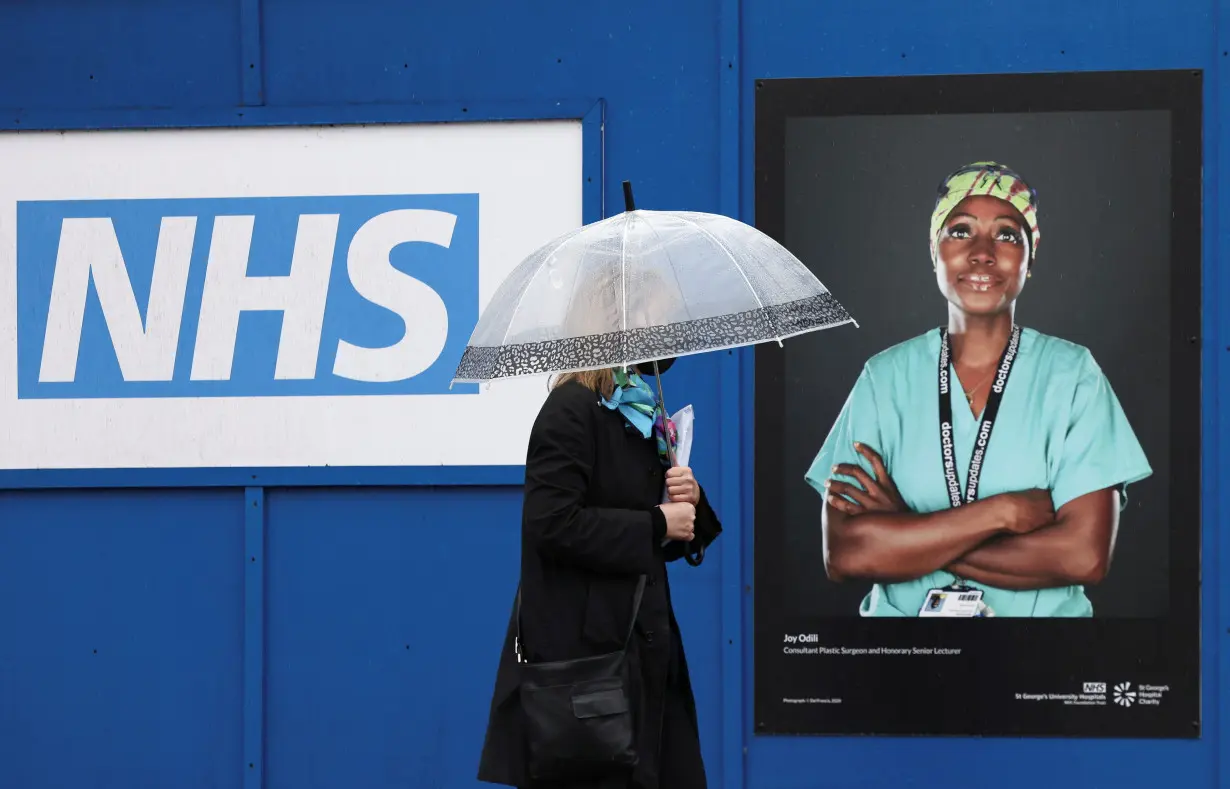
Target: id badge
(952, 603)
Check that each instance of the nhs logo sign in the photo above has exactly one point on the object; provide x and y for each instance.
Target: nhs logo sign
(248, 297)
(268, 297)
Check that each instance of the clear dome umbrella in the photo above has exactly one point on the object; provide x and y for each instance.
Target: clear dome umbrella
(644, 285)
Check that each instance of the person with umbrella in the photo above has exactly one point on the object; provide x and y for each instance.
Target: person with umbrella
(593, 523)
(592, 688)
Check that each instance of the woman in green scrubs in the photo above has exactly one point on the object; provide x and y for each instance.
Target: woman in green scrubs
(978, 469)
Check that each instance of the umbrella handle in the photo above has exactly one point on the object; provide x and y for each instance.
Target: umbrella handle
(670, 447)
(666, 415)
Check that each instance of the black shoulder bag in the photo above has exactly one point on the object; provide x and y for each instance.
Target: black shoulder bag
(578, 713)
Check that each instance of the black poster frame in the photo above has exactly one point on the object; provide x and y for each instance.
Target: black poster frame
(1072, 650)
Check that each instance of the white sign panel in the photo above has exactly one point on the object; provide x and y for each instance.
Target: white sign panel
(270, 296)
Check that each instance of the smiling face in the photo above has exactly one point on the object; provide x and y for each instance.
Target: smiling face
(982, 255)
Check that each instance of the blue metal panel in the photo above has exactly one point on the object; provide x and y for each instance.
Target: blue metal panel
(153, 53)
(656, 64)
(794, 39)
(121, 654)
(386, 612)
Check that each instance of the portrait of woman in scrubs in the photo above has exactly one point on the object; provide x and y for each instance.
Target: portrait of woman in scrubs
(980, 468)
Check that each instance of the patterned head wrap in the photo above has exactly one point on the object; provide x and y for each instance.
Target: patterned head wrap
(994, 180)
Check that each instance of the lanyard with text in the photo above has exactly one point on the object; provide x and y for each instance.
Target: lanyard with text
(984, 428)
(937, 602)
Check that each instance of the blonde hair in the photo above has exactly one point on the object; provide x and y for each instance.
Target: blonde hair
(593, 312)
(601, 381)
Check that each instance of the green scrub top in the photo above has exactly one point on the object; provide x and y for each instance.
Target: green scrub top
(1059, 428)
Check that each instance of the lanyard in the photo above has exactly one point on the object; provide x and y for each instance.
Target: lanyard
(984, 428)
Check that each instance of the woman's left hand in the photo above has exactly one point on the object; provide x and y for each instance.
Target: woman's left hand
(682, 486)
(877, 495)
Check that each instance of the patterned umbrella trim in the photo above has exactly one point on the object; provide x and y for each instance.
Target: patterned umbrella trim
(773, 322)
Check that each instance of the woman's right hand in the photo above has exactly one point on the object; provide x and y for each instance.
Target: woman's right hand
(1027, 510)
(680, 520)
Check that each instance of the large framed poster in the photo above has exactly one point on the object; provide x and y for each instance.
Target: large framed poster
(978, 512)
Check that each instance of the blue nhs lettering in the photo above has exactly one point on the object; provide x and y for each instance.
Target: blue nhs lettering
(245, 297)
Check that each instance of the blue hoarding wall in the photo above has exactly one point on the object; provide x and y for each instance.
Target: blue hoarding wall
(202, 628)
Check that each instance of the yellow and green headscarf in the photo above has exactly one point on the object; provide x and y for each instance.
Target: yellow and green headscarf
(994, 180)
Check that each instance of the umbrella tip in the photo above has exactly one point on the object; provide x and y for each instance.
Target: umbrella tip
(629, 203)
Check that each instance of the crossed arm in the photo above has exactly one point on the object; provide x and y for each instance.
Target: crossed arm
(1011, 541)
(1074, 548)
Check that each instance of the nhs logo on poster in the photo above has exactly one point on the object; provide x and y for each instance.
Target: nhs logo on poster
(245, 296)
(268, 297)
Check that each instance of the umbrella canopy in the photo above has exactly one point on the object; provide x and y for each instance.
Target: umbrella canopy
(645, 285)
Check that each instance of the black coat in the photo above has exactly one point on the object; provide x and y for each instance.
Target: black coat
(589, 529)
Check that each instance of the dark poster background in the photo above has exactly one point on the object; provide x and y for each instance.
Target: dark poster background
(846, 173)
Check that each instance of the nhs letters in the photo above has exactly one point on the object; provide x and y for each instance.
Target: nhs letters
(247, 297)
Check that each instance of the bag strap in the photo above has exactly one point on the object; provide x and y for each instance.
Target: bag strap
(636, 610)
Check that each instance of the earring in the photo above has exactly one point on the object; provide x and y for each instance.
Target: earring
(1029, 274)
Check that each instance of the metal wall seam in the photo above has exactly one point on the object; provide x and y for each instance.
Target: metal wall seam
(731, 597)
(254, 638)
